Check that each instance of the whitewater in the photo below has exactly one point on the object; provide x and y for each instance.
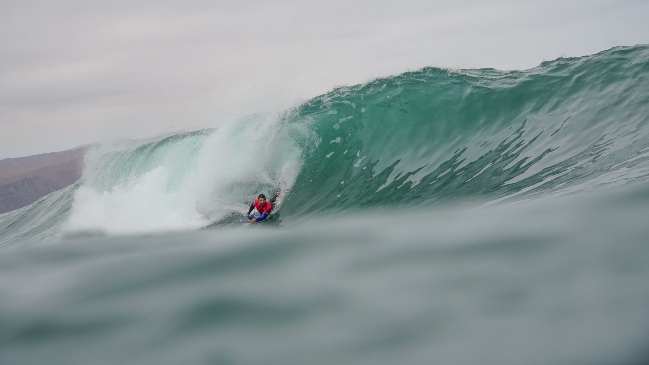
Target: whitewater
(436, 216)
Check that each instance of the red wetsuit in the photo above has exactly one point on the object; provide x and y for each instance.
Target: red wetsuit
(263, 210)
(266, 208)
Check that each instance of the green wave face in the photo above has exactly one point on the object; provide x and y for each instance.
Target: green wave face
(438, 135)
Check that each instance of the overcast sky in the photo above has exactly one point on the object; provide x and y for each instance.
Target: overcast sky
(74, 72)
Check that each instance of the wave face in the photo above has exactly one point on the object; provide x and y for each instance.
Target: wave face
(438, 135)
(423, 138)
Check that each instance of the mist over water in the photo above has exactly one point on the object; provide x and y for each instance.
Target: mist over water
(451, 216)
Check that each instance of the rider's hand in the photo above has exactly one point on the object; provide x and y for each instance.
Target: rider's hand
(247, 214)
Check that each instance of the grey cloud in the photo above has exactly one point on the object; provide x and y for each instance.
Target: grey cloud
(71, 71)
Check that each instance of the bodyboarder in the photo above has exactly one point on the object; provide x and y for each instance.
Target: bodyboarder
(263, 208)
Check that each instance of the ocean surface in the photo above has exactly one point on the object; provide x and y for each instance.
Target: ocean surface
(434, 217)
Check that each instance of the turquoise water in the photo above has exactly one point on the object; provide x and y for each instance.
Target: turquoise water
(438, 216)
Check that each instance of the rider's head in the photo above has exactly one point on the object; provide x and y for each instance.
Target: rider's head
(262, 198)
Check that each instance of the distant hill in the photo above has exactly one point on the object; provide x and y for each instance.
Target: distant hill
(24, 180)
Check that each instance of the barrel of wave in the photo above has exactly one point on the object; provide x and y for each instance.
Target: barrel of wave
(188, 180)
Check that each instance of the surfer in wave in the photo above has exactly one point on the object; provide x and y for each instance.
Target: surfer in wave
(263, 208)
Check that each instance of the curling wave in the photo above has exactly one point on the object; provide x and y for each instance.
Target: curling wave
(420, 139)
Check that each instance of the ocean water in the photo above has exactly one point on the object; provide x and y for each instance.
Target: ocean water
(437, 216)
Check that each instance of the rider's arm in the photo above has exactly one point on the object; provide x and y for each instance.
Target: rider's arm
(263, 216)
(252, 206)
(272, 200)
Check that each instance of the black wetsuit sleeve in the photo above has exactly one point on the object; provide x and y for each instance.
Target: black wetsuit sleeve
(272, 200)
(252, 206)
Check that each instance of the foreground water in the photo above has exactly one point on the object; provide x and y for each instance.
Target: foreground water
(560, 281)
(438, 216)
